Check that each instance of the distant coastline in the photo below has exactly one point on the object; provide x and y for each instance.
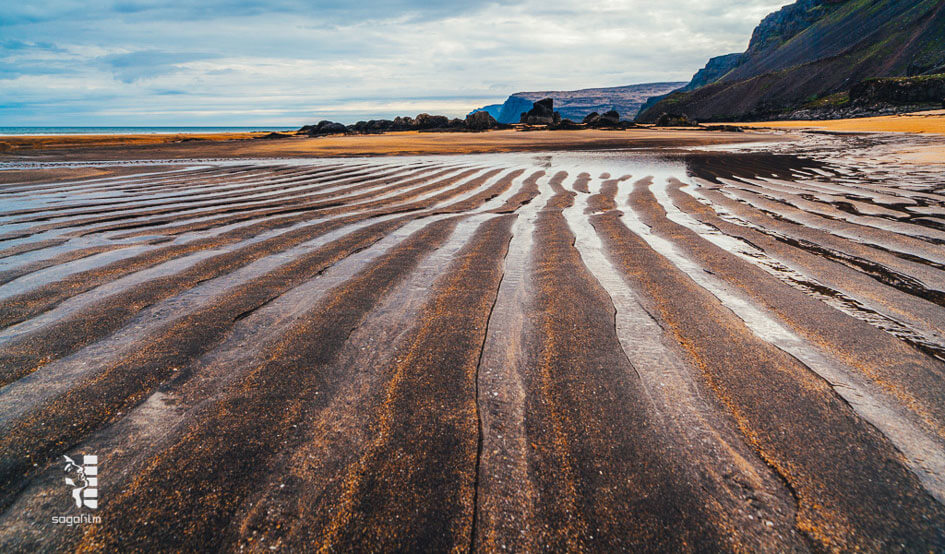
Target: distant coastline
(41, 131)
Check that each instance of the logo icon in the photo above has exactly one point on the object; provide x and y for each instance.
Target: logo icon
(83, 478)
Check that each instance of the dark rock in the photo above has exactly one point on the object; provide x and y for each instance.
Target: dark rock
(725, 128)
(323, 128)
(592, 119)
(480, 121)
(902, 90)
(607, 119)
(567, 125)
(542, 113)
(852, 111)
(403, 124)
(611, 118)
(426, 121)
(373, 127)
(674, 120)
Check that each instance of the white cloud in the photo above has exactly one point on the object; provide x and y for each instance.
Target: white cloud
(248, 62)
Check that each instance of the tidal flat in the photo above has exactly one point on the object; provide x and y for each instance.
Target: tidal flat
(674, 340)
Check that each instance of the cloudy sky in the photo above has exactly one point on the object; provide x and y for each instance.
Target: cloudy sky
(289, 62)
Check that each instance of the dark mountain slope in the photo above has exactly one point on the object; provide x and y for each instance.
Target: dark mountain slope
(714, 70)
(815, 48)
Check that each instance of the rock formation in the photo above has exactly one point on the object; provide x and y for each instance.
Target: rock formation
(674, 120)
(480, 121)
(542, 113)
(577, 104)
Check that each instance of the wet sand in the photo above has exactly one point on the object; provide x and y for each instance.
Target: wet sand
(648, 341)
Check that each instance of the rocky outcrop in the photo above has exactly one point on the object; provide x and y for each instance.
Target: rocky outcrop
(577, 104)
(542, 112)
(814, 49)
(568, 125)
(674, 120)
(607, 119)
(610, 118)
(902, 90)
(480, 121)
(322, 128)
(591, 119)
(426, 121)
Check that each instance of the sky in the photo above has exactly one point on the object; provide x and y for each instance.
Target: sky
(284, 63)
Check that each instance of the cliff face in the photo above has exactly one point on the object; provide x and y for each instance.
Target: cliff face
(516, 105)
(491, 109)
(814, 48)
(717, 68)
(576, 104)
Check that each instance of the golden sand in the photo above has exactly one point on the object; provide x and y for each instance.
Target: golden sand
(19, 142)
(930, 122)
(403, 143)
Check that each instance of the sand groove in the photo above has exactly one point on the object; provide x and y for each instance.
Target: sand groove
(604, 351)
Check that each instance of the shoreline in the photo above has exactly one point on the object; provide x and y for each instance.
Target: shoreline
(251, 144)
(14, 143)
(247, 145)
(926, 123)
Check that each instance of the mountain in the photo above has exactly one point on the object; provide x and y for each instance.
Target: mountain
(576, 104)
(492, 109)
(714, 70)
(810, 50)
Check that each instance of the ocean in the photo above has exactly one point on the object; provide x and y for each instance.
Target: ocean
(130, 130)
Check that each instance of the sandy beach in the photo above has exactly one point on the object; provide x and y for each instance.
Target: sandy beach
(235, 145)
(472, 277)
(930, 122)
(675, 340)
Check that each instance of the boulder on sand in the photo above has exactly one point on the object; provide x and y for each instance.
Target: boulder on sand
(427, 121)
(607, 119)
(323, 128)
(480, 121)
(542, 113)
(610, 119)
(675, 120)
(567, 125)
(402, 124)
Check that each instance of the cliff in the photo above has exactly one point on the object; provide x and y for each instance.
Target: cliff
(812, 49)
(576, 104)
